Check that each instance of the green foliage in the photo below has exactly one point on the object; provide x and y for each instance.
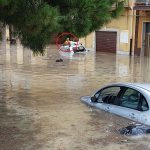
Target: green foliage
(3, 2)
(35, 21)
(84, 16)
(119, 9)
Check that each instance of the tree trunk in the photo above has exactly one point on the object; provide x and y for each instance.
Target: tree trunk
(2, 33)
(11, 36)
(10, 32)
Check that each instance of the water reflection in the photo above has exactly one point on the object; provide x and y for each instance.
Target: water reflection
(40, 99)
(142, 68)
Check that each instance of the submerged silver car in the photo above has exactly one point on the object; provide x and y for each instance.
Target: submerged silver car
(129, 100)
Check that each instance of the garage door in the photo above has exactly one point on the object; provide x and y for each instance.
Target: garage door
(106, 41)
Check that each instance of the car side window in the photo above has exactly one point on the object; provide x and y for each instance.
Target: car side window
(108, 95)
(130, 99)
(144, 105)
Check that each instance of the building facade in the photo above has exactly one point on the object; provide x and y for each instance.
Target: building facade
(129, 34)
(142, 28)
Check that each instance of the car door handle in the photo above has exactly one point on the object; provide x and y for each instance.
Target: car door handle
(107, 108)
(132, 116)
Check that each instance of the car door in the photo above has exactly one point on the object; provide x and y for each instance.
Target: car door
(106, 97)
(144, 116)
(128, 105)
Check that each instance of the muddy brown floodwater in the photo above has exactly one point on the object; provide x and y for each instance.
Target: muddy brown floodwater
(40, 106)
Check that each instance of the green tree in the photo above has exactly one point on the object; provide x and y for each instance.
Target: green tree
(84, 16)
(35, 21)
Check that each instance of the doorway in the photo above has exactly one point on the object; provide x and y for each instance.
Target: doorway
(146, 40)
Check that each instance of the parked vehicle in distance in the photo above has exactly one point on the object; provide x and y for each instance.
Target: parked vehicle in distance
(129, 100)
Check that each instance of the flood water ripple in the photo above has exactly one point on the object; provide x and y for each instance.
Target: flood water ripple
(40, 106)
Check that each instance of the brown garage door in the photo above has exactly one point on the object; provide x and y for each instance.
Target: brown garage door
(106, 41)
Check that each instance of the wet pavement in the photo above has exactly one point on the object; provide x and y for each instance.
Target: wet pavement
(40, 107)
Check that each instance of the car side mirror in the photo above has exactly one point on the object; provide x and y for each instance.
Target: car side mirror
(93, 99)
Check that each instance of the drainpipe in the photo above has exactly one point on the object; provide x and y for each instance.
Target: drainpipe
(136, 51)
(130, 47)
(132, 27)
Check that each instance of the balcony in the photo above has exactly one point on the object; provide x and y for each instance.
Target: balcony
(142, 3)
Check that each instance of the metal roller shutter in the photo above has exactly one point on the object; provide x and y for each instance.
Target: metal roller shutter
(106, 41)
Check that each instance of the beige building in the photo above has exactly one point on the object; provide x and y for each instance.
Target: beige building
(129, 34)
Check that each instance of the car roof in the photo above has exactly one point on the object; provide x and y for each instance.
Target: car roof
(145, 86)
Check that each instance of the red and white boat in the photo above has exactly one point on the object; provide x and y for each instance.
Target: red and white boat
(74, 47)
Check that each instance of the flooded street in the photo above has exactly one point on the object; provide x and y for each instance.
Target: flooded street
(40, 107)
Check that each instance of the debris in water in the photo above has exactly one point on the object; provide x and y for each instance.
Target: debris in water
(123, 141)
(135, 129)
(59, 60)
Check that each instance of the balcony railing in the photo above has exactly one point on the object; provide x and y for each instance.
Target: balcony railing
(142, 3)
